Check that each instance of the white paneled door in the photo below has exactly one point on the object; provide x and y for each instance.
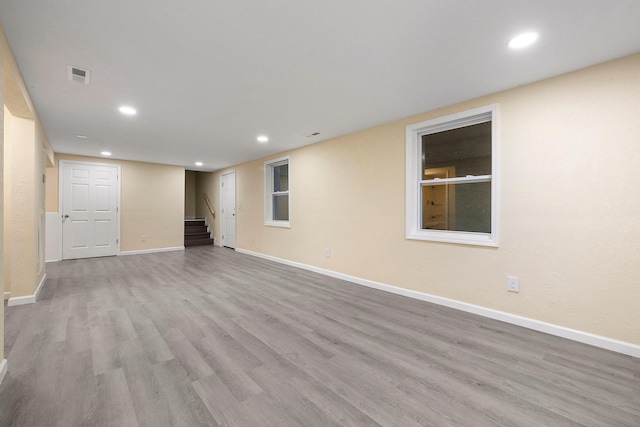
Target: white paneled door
(89, 209)
(228, 207)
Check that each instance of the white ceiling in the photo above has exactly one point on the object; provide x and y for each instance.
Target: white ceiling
(209, 76)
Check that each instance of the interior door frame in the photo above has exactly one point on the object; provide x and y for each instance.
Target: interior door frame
(235, 199)
(61, 165)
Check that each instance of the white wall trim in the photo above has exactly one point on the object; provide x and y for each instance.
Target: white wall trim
(40, 285)
(144, 251)
(7, 295)
(268, 192)
(52, 235)
(28, 299)
(3, 369)
(150, 251)
(526, 322)
(413, 138)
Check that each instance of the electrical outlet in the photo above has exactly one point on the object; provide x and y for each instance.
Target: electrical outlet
(327, 252)
(512, 284)
(143, 238)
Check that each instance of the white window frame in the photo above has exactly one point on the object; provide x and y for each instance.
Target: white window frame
(269, 193)
(414, 181)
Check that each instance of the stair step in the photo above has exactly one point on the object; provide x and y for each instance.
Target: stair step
(196, 236)
(198, 242)
(193, 223)
(196, 233)
(190, 230)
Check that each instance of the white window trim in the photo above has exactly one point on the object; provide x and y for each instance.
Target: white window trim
(414, 134)
(268, 193)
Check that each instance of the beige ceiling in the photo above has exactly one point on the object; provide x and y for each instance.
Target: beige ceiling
(208, 76)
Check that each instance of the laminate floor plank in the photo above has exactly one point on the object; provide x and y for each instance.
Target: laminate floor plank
(609, 391)
(78, 333)
(296, 404)
(111, 403)
(184, 404)
(221, 404)
(196, 366)
(270, 413)
(75, 388)
(571, 394)
(340, 377)
(148, 399)
(233, 374)
(212, 337)
(330, 402)
(259, 349)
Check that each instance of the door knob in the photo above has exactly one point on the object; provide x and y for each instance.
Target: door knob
(66, 216)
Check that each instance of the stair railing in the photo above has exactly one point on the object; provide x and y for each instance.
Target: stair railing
(208, 202)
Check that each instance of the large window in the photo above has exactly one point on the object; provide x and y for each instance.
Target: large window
(276, 202)
(452, 178)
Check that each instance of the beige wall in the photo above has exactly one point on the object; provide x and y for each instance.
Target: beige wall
(24, 195)
(3, 41)
(21, 209)
(6, 188)
(190, 194)
(569, 228)
(42, 149)
(24, 150)
(152, 202)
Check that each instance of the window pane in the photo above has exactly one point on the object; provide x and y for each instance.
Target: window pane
(281, 178)
(462, 151)
(281, 207)
(457, 207)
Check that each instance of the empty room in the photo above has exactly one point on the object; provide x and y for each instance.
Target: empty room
(302, 213)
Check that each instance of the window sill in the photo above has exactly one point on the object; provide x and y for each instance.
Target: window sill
(281, 224)
(456, 237)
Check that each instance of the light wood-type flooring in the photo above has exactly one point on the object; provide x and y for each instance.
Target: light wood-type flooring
(209, 337)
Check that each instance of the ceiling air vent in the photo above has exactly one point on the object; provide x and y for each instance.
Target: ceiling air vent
(78, 75)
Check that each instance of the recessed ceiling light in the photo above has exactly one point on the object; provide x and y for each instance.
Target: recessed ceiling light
(106, 153)
(199, 163)
(128, 111)
(263, 138)
(523, 40)
(81, 136)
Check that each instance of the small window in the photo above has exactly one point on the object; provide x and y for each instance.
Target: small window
(276, 204)
(452, 182)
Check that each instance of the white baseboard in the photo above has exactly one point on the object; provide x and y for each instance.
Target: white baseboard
(144, 251)
(151, 251)
(526, 322)
(3, 369)
(28, 299)
(7, 295)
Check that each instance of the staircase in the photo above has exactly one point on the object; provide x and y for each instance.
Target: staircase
(196, 233)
